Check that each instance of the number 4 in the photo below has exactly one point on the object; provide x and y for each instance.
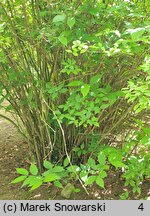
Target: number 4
(141, 207)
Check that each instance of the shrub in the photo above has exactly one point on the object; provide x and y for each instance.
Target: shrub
(75, 74)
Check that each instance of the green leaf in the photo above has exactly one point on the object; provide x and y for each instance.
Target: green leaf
(46, 173)
(58, 169)
(95, 79)
(136, 33)
(117, 163)
(22, 171)
(90, 180)
(77, 190)
(36, 184)
(63, 40)
(102, 174)
(145, 140)
(104, 106)
(71, 21)
(47, 164)
(75, 83)
(101, 158)
(85, 89)
(59, 18)
(115, 155)
(58, 184)
(91, 162)
(106, 167)
(29, 181)
(69, 51)
(51, 177)
(100, 182)
(33, 169)
(66, 162)
(146, 130)
(19, 179)
(83, 175)
(75, 53)
(73, 168)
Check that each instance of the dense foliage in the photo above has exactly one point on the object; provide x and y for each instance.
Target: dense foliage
(77, 78)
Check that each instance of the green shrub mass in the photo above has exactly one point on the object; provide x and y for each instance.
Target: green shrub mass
(76, 75)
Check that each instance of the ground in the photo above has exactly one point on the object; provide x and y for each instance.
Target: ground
(14, 153)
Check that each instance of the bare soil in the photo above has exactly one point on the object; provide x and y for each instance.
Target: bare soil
(14, 153)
